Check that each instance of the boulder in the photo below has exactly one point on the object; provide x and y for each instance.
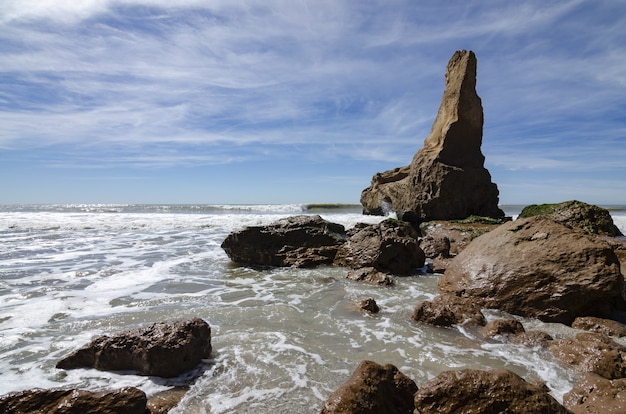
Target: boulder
(370, 275)
(369, 305)
(577, 215)
(446, 178)
(128, 400)
(298, 241)
(503, 327)
(390, 246)
(597, 395)
(476, 391)
(373, 389)
(164, 349)
(536, 267)
(604, 326)
(592, 352)
(448, 310)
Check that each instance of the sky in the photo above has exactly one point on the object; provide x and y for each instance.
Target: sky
(298, 101)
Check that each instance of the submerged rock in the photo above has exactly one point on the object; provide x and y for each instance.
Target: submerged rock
(127, 400)
(373, 389)
(298, 241)
(371, 275)
(446, 178)
(536, 267)
(503, 327)
(390, 246)
(476, 391)
(369, 305)
(164, 349)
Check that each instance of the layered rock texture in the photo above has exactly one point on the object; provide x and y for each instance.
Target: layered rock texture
(447, 178)
(164, 349)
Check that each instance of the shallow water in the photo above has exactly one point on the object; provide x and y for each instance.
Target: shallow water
(283, 339)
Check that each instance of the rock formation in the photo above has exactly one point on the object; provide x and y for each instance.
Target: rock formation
(536, 267)
(165, 349)
(595, 394)
(599, 325)
(448, 310)
(592, 353)
(476, 391)
(390, 246)
(373, 389)
(127, 400)
(577, 215)
(447, 178)
(298, 241)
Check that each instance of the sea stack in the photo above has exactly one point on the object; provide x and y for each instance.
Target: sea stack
(446, 179)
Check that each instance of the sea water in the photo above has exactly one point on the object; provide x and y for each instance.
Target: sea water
(283, 339)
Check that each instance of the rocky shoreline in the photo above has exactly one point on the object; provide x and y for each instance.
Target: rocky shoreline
(375, 252)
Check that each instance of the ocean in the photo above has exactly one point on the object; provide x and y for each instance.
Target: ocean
(283, 339)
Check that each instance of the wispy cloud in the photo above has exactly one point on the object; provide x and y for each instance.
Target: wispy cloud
(155, 83)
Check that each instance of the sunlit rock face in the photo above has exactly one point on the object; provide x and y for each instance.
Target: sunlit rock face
(447, 178)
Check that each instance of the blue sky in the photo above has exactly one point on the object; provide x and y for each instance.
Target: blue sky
(287, 101)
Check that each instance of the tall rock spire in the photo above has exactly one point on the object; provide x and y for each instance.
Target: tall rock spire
(447, 178)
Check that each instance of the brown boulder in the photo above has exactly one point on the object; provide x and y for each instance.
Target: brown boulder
(577, 215)
(503, 327)
(485, 392)
(605, 326)
(592, 352)
(536, 267)
(370, 275)
(597, 395)
(298, 241)
(390, 246)
(446, 178)
(164, 349)
(373, 389)
(127, 400)
(369, 305)
(447, 310)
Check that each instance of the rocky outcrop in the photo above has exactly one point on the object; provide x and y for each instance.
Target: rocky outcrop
(446, 178)
(164, 401)
(373, 389)
(577, 215)
(127, 400)
(298, 241)
(164, 349)
(475, 391)
(390, 246)
(599, 325)
(448, 310)
(536, 267)
(532, 339)
(597, 395)
(592, 353)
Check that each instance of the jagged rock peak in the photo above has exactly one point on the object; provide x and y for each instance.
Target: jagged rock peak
(456, 134)
(446, 178)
